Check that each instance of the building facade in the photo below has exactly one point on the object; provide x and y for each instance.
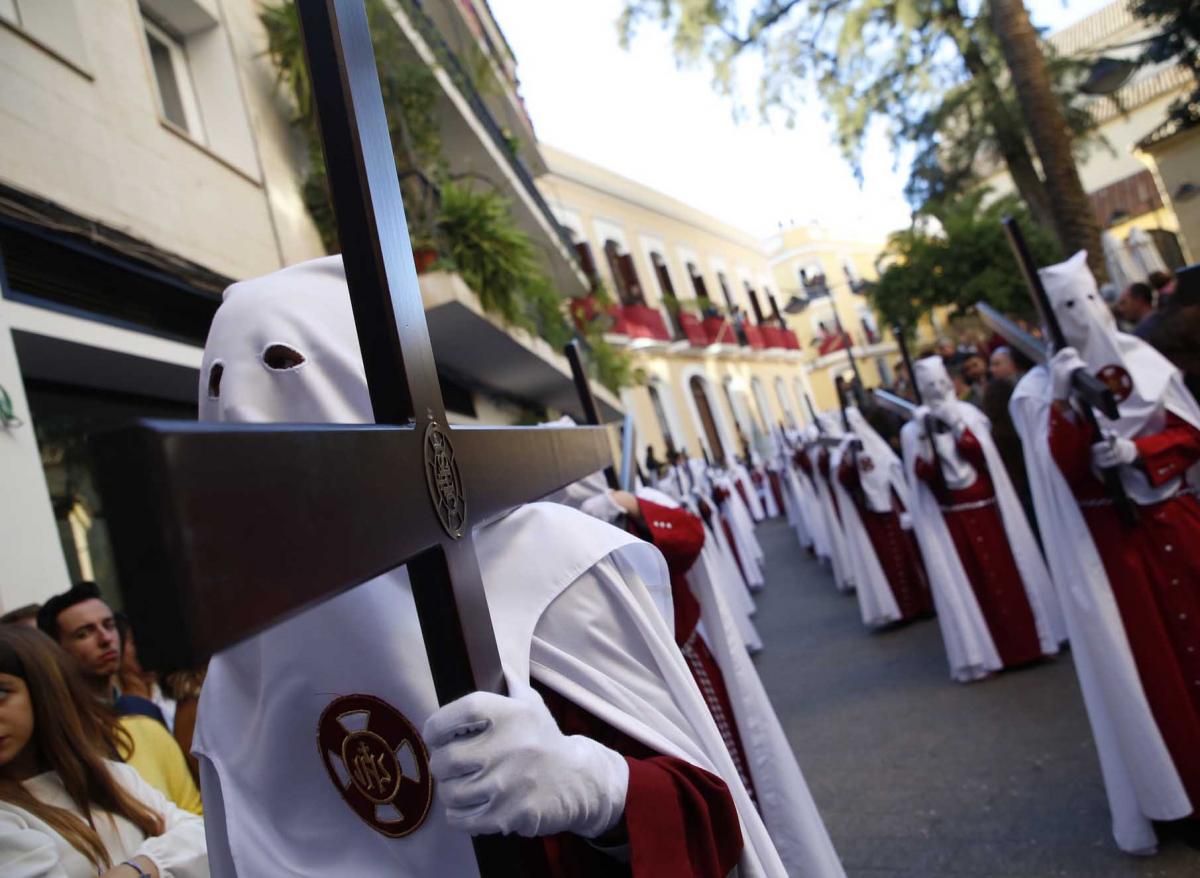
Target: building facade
(149, 159)
(1121, 173)
(732, 346)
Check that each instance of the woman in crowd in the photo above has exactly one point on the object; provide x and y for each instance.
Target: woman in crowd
(67, 810)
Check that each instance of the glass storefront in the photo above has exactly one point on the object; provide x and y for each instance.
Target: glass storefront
(63, 417)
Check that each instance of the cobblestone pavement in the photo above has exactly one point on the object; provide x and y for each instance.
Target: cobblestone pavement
(918, 776)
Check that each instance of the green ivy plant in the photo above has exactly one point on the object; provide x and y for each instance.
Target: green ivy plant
(466, 222)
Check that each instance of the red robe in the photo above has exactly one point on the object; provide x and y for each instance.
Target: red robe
(679, 535)
(680, 820)
(974, 522)
(1154, 571)
(897, 549)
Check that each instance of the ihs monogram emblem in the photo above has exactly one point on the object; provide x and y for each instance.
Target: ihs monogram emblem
(378, 762)
(1118, 381)
(443, 481)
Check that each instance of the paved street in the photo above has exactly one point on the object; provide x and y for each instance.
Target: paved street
(918, 776)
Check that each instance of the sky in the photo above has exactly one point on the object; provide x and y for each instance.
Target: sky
(636, 113)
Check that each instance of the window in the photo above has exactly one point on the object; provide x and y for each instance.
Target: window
(173, 77)
(697, 281)
(50, 24)
(813, 281)
(725, 289)
(624, 273)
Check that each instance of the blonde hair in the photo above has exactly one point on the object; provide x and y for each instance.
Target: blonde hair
(74, 734)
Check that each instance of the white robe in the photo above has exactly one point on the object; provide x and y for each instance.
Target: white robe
(969, 647)
(1140, 777)
(261, 701)
(876, 601)
(810, 509)
(739, 474)
(839, 551)
(783, 796)
(741, 526)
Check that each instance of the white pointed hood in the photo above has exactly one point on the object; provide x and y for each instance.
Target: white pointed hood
(1145, 384)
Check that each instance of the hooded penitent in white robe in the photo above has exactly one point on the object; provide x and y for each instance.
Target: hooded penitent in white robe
(741, 476)
(741, 528)
(784, 800)
(576, 605)
(969, 647)
(876, 601)
(839, 549)
(807, 493)
(1140, 777)
(692, 489)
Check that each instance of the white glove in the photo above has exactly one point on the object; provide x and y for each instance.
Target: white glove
(1063, 365)
(503, 766)
(1114, 452)
(906, 522)
(603, 507)
(921, 413)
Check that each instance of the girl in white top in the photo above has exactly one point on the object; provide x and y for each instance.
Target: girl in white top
(66, 809)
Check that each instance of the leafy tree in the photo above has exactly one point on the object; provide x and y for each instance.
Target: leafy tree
(959, 260)
(1074, 219)
(933, 74)
(468, 223)
(1178, 40)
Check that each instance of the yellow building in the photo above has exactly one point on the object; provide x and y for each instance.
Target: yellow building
(706, 311)
(1121, 175)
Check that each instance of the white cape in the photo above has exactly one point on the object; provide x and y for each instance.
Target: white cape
(713, 569)
(839, 551)
(262, 699)
(810, 508)
(749, 550)
(969, 647)
(876, 600)
(784, 799)
(1139, 774)
(738, 473)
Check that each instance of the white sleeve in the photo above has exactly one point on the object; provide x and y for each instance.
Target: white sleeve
(180, 851)
(26, 852)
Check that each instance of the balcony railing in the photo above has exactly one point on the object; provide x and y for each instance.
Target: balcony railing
(640, 321)
(755, 337)
(778, 337)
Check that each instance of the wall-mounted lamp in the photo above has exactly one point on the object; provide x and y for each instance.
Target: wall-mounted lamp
(8, 417)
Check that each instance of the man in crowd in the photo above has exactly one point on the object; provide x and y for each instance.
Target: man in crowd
(82, 623)
(1136, 306)
(1005, 373)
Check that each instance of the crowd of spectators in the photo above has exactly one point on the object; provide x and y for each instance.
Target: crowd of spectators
(86, 731)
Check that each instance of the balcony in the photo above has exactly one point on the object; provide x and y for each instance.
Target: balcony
(779, 338)
(755, 336)
(718, 330)
(635, 322)
(640, 322)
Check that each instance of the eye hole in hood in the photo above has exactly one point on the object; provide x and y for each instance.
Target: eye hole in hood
(281, 358)
(215, 371)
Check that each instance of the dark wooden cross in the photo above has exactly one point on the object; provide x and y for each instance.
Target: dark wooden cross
(222, 531)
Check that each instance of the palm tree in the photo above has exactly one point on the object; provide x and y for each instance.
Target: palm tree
(1074, 220)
